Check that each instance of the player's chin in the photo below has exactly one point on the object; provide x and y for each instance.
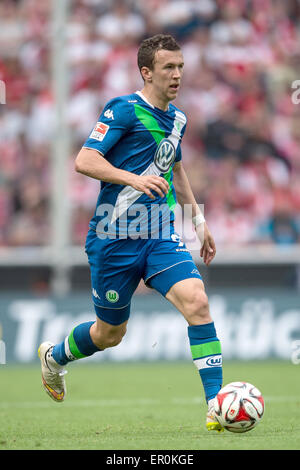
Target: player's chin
(172, 92)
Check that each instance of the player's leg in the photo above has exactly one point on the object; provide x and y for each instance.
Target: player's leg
(115, 276)
(105, 335)
(83, 341)
(172, 272)
(189, 297)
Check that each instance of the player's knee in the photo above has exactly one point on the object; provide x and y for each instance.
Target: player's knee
(110, 338)
(116, 337)
(104, 342)
(111, 341)
(196, 308)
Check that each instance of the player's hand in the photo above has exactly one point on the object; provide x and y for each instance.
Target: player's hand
(208, 247)
(149, 183)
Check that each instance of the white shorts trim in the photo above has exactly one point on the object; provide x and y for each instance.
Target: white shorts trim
(165, 269)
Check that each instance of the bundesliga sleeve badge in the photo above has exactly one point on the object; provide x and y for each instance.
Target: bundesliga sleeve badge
(99, 131)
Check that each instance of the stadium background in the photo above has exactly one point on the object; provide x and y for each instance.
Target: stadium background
(60, 62)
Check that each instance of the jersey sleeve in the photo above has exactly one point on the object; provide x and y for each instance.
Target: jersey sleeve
(114, 121)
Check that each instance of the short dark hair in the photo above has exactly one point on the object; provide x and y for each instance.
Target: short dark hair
(150, 46)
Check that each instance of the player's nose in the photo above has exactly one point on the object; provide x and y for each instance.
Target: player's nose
(177, 73)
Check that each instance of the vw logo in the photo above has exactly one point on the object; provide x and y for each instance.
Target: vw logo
(164, 155)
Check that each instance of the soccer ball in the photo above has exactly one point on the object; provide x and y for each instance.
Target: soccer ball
(239, 406)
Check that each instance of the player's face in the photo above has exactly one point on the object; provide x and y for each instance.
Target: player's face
(167, 73)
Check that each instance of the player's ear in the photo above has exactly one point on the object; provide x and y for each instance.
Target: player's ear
(146, 74)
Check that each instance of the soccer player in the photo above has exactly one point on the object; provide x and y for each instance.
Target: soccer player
(134, 150)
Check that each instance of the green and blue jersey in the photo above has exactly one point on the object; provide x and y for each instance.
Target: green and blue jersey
(135, 136)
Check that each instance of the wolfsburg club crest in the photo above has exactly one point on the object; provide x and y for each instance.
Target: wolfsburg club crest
(164, 155)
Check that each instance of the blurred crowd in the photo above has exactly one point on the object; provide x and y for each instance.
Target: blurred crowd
(242, 145)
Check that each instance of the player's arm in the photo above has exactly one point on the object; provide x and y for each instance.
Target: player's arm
(185, 196)
(92, 163)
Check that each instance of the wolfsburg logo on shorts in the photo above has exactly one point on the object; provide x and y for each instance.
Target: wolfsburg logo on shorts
(164, 155)
(112, 296)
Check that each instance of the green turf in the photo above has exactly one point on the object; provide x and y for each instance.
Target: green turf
(142, 406)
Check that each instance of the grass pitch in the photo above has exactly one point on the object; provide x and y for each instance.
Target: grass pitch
(142, 406)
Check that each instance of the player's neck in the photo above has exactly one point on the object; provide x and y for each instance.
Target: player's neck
(155, 100)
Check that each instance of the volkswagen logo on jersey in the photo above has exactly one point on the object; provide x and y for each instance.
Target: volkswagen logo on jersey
(164, 155)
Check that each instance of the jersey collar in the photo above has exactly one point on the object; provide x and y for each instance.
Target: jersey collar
(140, 94)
